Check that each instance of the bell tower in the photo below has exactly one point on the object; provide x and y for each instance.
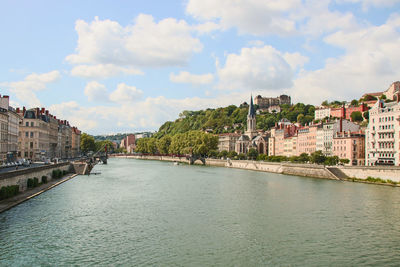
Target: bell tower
(251, 120)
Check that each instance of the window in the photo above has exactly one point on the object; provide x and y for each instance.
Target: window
(32, 124)
(26, 123)
(26, 134)
(31, 134)
(31, 145)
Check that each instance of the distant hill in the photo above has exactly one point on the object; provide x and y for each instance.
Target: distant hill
(231, 118)
(114, 138)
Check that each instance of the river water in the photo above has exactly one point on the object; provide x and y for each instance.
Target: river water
(140, 213)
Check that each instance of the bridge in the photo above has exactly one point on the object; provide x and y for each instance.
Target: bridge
(193, 158)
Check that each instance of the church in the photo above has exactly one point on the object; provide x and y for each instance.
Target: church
(252, 138)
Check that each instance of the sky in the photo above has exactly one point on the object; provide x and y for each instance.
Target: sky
(128, 66)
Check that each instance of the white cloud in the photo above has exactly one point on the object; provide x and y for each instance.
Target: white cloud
(261, 68)
(207, 27)
(371, 62)
(103, 71)
(280, 17)
(25, 90)
(366, 4)
(147, 114)
(96, 92)
(186, 77)
(125, 93)
(146, 43)
(255, 16)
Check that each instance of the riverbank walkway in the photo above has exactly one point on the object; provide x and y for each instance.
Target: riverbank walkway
(8, 203)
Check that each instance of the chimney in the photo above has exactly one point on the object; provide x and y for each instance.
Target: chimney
(47, 112)
(341, 125)
(43, 110)
(37, 112)
(6, 96)
(17, 110)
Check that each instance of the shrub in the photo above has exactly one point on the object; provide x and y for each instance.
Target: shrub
(44, 179)
(8, 191)
(64, 172)
(56, 174)
(35, 182)
(29, 183)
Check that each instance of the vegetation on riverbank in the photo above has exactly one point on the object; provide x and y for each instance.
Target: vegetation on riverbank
(191, 142)
(9, 191)
(375, 180)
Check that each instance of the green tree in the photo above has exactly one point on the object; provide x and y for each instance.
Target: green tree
(252, 154)
(317, 157)
(223, 154)
(366, 115)
(304, 157)
(163, 144)
(232, 154)
(87, 143)
(354, 102)
(356, 116)
(344, 161)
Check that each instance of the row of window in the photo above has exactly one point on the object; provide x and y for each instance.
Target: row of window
(385, 119)
(386, 135)
(386, 144)
(382, 155)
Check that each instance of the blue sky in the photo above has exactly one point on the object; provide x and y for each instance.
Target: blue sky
(126, 66)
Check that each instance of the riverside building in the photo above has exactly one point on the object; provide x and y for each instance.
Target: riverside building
(383, 134)
(9, 127)
(41, 135)
(351, 146)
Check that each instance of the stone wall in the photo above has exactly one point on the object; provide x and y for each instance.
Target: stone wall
(383, 172)
(20, 177)
(309, 170)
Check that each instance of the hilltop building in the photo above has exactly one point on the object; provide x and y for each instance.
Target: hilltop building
(264, 103)
(391, 93)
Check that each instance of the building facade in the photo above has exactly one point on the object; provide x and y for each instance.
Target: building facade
(266, 102)
(383, 134)
(322, 112)
(227, 141)
(351, 146)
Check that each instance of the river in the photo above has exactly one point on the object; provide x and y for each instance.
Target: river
(139, 213)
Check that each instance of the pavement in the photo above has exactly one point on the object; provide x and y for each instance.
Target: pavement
(7, 169)
(8, 203)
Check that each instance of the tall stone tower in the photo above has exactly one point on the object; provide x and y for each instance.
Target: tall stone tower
(251, 120)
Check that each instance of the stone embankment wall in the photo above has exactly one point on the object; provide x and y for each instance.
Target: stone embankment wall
(283, 168)
(309, 170)
(363, 172)
(20, 177)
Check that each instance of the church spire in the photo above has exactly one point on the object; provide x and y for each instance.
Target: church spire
(252, 111)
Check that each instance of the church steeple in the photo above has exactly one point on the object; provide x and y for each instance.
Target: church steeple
(252, 111)
(251, 120)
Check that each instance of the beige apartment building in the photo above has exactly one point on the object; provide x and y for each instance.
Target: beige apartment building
(9, 127)
(76, 142)
(41, 135)
(351, 146)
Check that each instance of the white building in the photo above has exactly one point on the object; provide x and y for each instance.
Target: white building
(322, 112)
(383, 134)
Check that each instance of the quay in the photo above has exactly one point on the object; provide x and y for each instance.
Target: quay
(343, 173)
